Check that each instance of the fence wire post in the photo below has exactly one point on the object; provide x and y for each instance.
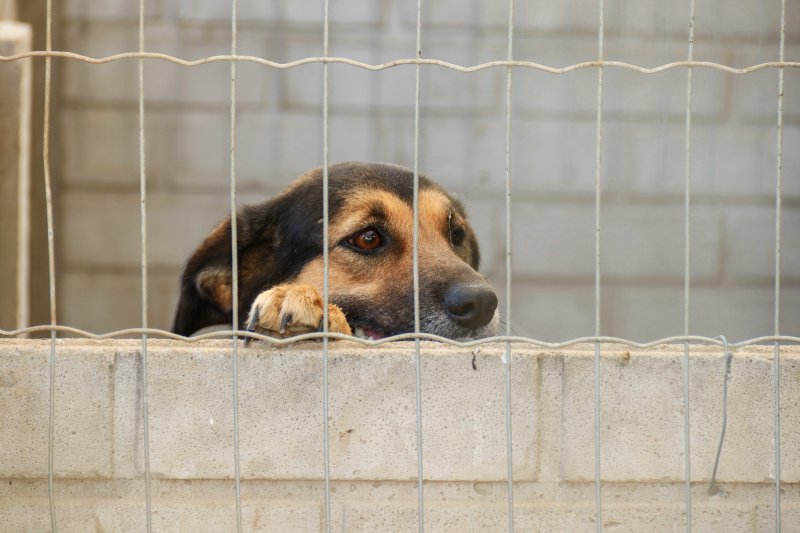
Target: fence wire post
(597, 273)
(686, 276)
(777, 360)
(325, 295)
(235, 278)
(415, 266)
(143, 215)
(51, 262)
(509, 447)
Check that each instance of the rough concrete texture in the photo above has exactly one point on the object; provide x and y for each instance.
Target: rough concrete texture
(99, 466)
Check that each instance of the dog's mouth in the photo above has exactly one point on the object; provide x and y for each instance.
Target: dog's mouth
(368, 334)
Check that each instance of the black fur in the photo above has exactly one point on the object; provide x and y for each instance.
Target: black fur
(279, 237)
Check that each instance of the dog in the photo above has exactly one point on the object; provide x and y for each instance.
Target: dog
(371, 287)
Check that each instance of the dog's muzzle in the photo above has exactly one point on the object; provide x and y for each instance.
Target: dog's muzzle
(470, 306)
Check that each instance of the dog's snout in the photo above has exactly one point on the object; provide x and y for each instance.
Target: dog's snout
(471, 306)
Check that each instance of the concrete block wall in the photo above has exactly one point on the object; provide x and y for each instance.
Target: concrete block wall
(99, 457)
(462, 145)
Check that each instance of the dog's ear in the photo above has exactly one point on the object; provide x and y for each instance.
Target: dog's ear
(206, 292)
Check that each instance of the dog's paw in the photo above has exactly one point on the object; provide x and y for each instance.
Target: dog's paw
(288, 310)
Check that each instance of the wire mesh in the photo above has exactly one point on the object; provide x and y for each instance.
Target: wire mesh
(778, 276)
(687, 451)
(509, 355)
(599, 155)
(143, 215)
(415, 266)
(417, 336)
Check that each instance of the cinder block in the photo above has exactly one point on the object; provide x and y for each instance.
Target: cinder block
(303, 11)
(84, 398)
(743, 20)
(207, 516)
(443, 145)
(102, 147)
(558, 241)
(202, 144)
(101, 302)
(299, 145)
(627, 402)
(113, 10)
(554, 96)
(100, 227)
(649, 158)
(372, 430)
(576, 16)
(636, 242)
(550, 312)
(755, 96)
(751, 308)
(355, 12)
(543, 517)
(447, 91)
(740, 160)
(647, 97)
(551, 156)
(351, 138)
(396, 142)
(765, 518)
(164, 81)
(750, 246)
(350, 87)
(212, 11)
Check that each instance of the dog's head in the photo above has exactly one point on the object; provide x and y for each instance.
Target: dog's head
(371, 250)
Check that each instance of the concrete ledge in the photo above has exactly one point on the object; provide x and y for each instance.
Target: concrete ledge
(99, 447)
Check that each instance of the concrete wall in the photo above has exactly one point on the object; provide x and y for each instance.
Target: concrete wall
(462, 146)
(373, 461)
(15, 154)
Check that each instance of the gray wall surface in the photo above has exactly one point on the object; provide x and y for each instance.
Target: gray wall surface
(462, 145)
(99, 449)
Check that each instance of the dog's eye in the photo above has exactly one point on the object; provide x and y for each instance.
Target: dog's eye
(457, 237)
(367, 239)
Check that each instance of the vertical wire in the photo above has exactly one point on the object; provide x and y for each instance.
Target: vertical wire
(509, 448)
(417, 363)
(778, 277)
(597, 274)
(686, 278)
(325, 295)
(143, 213)
(51, 264)
(235, 279)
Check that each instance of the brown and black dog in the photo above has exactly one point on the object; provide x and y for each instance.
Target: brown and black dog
(370, 261)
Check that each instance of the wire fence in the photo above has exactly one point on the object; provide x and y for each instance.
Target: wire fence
(417, 336)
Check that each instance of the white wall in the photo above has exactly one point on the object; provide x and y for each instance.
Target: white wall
(462, 146)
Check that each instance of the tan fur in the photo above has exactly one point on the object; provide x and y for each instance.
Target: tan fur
(349, 275)
(216, 283)
(302, 304)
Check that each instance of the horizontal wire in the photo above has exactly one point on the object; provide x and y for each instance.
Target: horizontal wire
(402, 337)
(587, 64)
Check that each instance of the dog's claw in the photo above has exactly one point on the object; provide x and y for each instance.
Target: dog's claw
(251, 326)
(285, 321)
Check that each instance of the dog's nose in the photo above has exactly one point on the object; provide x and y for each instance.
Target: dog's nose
(471, 306)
